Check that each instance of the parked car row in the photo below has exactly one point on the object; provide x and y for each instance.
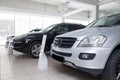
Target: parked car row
(30, 43)
(94, 49)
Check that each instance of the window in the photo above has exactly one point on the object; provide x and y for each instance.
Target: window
(48, 28)
(47, 21)
(21, 24)
(62, 29)
(26, 23)
(107, 21)
(75, 27)
(7, 27)
(57, 20)
(36, 22)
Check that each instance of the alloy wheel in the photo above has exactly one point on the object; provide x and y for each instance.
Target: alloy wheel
(36, 50)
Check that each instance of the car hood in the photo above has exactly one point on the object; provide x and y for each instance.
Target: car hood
(80, 34)
(28, 34)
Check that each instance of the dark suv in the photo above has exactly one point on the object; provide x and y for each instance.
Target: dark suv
(30, 43)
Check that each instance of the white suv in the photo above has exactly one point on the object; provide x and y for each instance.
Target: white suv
(95, 49)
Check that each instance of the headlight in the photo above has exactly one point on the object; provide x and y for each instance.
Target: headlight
(93, 41)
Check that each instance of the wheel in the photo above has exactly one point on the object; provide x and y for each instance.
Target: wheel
(112, 70)
(34, 49)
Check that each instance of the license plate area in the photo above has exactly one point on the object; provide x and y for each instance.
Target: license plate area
(58, 58)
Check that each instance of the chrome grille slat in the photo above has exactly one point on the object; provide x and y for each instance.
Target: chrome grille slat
(64, 42)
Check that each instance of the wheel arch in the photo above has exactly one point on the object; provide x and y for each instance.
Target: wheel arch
(46, 46)
(115, 48)
(31, 42)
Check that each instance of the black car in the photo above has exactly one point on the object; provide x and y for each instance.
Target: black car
(30, 43)
(11, 37)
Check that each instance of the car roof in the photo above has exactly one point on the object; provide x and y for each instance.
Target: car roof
(72, 24)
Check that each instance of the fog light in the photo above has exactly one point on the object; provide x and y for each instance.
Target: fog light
(86, 56)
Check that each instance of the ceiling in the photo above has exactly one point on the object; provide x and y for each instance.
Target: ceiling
(57, 2)
(87, 5)
(52, 6)
(110, 7)
(74, 4)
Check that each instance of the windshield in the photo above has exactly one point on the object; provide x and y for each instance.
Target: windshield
(106, 22)
(48, 28)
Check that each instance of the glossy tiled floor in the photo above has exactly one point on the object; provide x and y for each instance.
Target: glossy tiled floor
(22, 67)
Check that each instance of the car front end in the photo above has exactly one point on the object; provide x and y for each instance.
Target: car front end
(88, 49)
(19, 44)
(88, 53)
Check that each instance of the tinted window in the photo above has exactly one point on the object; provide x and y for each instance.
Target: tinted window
(48, 28)
(107, 21)
(62, 29)
(75, 27)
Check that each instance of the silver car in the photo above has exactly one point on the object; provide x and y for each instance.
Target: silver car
(95, 49)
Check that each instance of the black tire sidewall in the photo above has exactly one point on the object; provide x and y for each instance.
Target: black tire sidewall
(108, 73)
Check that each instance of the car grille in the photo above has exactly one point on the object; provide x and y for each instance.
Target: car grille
(64, 42)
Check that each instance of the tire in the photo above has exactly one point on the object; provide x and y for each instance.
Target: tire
(34, 49)
(112, 70)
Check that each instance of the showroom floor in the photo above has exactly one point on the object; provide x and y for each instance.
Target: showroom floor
(22, 67)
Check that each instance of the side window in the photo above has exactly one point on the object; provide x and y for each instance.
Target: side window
(75, 27)
(62, 29)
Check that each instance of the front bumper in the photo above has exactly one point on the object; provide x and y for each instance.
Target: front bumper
(19, 47)
(94, 66)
